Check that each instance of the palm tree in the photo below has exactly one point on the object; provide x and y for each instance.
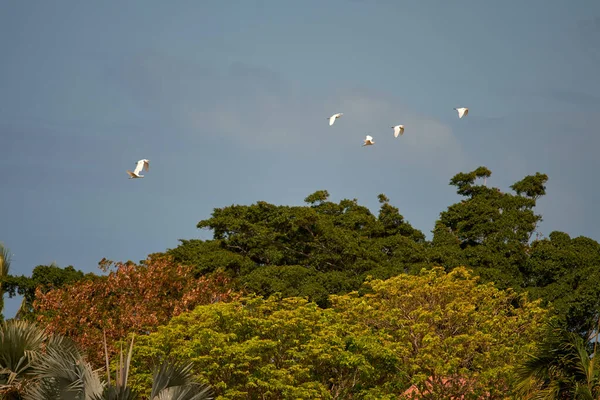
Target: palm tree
(4, 269)
(63, 373)
(565, 366)
(20, 347)
(175, 381)
(170, 381)
(37, 366)
(28, 359)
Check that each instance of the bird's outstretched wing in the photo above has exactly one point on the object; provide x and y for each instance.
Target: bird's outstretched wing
(332, 119)
(398, 130)
(139, 167)
(462, 111)
(147, 165)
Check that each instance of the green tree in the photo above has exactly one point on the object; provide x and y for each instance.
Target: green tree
(490, 230)
(326, 247)
(456, 336)
(425, 330)
(564, 272)
(268, 349)
(209, 256)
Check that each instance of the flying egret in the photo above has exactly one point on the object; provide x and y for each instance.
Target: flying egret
(462, 111)
(369, 141)
(141, 164)
(334, 117)
(398, 130)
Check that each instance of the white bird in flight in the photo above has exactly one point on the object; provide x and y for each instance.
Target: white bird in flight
(141, 164)
(334, 117)
(398, 130)
(462, 111)
(369, 141)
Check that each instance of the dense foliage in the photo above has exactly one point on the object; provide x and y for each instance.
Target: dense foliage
(131, 298)
(328, 248)
(340, 302)
(325, 247)
(43, 278)
(406, 330)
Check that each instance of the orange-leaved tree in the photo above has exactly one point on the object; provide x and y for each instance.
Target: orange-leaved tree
(131, 298)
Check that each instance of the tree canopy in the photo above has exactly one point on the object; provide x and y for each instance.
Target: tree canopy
(406, 330)
(341, 302)
(132, 298)
(326, 248)
(43, 278)
(312, 250)
(489, 230)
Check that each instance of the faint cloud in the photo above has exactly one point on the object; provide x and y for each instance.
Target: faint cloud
(257, 108)
(426, 141)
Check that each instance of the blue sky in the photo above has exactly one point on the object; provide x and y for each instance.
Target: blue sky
(229, 99)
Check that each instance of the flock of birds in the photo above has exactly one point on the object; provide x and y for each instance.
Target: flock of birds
(398, 131)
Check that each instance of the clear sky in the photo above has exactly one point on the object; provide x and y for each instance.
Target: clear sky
(229, 99)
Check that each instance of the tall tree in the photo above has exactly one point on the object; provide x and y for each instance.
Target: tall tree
(313, 250)
(489, 230)
(564, 272)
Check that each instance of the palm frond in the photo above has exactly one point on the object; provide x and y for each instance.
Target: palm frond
(122, 373)
(23, 309)
(120, 390)
(562, 366)
(169, 374)
(4, 261)
(106, 356)
(34, 365)
(20, 346)
(63, 373)
(117, 393)
(193, 391)
(175, 381)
